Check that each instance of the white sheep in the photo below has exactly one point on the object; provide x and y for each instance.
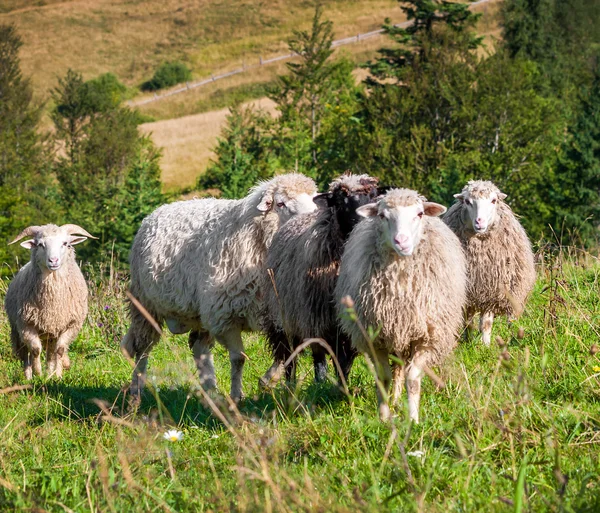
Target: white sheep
(500, 263)
(46, 302)
(405, 272)
(197, 265)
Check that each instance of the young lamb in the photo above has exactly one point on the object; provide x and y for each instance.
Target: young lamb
(405, 271)
(500, 264)
(46, 302)
(304, 260)
(197, 265)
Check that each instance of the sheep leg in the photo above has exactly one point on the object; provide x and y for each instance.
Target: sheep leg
(33, 362)
(383, 378)
(51, 357)
(469, 323)
(397, 383)
(277, 341)
(57, 350)
(485, 326)
(232, 340)
(345, 354)
(319, 362)
(20, 350)
(290, 370)
(201, 344)
(414, 375)
(136, 344)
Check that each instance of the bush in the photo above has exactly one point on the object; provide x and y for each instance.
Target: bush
(104, 92)
(168, 74)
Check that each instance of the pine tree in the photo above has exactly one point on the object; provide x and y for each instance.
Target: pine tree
(26, 187)
(577, 195)
(419, 41)
(244, 154)
(107, 165)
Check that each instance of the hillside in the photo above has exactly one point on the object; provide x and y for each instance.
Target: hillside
(132, 38)
(186, 126)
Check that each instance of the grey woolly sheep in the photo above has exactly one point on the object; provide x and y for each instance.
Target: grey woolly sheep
(404, 272)
(46, 302)
(197, 265)
(304, 260)
(500, 263)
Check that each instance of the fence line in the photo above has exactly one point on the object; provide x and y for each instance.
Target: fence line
(261, 62)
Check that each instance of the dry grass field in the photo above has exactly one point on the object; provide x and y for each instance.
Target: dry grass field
(187, 143)
(131, 38)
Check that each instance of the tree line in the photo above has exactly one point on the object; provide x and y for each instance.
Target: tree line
(439, 107)
(93, 169)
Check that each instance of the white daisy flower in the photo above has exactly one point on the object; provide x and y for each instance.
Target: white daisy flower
(173, 435)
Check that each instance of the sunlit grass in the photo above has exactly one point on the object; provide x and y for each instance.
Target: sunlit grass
(516, 422)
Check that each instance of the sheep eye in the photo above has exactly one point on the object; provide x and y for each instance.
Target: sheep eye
(420, 214)
(494, 201)
(382, 216)
(65, 243)
(468, 202)
(281, 204)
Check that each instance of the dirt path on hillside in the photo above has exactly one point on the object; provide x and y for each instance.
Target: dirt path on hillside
(187, 142)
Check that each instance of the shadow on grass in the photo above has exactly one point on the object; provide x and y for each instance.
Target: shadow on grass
(182, 406)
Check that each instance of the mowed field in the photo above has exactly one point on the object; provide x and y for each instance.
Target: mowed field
(187, 143)
(515, 428)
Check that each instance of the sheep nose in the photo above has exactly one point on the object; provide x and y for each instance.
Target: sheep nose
(53, 260)
(401, 240)
(479, 221)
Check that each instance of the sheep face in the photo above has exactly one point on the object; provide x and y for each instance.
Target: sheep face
(400, 213)
(286, 207)
(289, 195)
(480, 200)
(345, 205)
(50, 250)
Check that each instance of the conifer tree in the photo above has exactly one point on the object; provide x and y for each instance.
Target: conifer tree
(26, 188)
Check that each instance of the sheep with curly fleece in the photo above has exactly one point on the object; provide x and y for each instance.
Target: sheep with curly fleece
(500, 262)
(47, 301)
(304, 261)
(405, 272)
(197, 265)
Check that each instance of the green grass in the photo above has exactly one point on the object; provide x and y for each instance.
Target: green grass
(515, 428)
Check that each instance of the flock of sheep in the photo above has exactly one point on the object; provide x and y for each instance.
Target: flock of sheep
(295, 265)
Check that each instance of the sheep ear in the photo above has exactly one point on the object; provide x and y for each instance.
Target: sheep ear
(266, 203)
(28, 244)
(460, 197)
(501, 196)
(368, 210)
(433, 209)
(322, 200)
(76, 240)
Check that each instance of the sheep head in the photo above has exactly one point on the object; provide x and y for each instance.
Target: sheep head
(51, 245)
(480, 200)
(346, 194)
(401, 213)
(288, 195)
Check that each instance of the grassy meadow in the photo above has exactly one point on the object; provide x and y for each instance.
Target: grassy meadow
(515, 428)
